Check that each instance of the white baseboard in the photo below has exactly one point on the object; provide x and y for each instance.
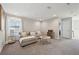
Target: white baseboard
(1, 48)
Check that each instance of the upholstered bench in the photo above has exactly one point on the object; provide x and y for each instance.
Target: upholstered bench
(45, 39)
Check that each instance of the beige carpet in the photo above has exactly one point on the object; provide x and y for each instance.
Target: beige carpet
(56, 47)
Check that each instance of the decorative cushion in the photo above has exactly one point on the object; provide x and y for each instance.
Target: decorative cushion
(23, 34)
(32, 33)
(38, 33)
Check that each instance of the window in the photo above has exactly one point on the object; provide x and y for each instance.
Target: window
(14, 26)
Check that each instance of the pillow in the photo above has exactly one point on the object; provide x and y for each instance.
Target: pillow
(23, 34)
(32, 33)
(38, 33)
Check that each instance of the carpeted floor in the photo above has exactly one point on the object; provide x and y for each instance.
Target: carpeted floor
(56, 47)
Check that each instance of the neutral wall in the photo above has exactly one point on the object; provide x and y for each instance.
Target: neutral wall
(30, 25)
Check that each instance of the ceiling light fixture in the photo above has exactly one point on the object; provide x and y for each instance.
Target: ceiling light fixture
(48, 7)
(67, 3)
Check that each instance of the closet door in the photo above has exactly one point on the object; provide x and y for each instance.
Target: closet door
(66, 28)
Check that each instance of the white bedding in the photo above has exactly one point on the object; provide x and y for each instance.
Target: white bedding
(26, 38)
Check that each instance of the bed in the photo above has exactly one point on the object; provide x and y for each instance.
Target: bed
(27, 40)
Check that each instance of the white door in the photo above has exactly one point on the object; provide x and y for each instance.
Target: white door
(75, 28)
(66, 28)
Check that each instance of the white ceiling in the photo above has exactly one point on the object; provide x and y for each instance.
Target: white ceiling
(42, 10)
